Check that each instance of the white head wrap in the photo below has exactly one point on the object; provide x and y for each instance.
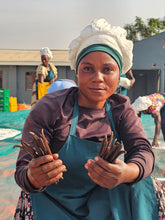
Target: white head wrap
(141, 103)
(46, 51)
(124, 82)
(101, 32)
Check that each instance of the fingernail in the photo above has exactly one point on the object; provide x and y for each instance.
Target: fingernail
(86, 166)
(89, 162)
(96, 158)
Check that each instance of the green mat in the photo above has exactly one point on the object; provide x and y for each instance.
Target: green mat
(16, 120)
(11, 120)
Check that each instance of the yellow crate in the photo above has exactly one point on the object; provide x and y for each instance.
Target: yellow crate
(13, 100)
(12, 108)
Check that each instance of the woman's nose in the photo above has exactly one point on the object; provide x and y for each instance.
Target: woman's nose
(98, 76)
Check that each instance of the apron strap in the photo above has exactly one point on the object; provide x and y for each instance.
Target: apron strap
(36, 82)
(74, 118)
(109, 112)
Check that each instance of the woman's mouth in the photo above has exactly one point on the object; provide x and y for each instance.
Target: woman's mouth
(96, 89)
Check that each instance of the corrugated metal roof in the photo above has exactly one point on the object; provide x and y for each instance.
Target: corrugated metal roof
(31, 57)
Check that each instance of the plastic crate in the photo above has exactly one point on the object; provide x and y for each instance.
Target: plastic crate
(4, 102)
(13, 100)
(6, 99)
(21, 107)
(4, 93)
(4, 108)
(13, 108)
(1, 102)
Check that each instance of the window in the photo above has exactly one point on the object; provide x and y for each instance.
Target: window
(1, 79)
(29, 80)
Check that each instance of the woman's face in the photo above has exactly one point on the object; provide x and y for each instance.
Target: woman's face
(45, 60)
(98, 76)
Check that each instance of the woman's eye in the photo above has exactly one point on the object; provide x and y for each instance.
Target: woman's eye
(107, 69)
(87, 69)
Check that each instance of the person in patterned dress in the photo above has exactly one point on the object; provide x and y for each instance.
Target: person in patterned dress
(153, 104)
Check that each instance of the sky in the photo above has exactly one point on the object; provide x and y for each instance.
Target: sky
(32, 24)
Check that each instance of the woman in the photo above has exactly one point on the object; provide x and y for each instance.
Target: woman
(74, 182)
(154, 105)
(46, 74)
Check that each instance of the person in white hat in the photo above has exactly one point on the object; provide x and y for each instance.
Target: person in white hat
(46, 74)
(154, 105)
(75, 122)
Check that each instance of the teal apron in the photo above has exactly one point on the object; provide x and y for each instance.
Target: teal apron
(50, 75)
(77, 197)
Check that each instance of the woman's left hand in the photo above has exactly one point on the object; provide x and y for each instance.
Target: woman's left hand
(109, 175)
(52, 80)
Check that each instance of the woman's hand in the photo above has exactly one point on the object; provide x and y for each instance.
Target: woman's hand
(45, 170)
(109, 175)
(52, 80)
(155, 142)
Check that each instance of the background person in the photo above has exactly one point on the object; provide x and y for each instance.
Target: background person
(154, 105)
(126, 82)
(46, 74)
(75, 121)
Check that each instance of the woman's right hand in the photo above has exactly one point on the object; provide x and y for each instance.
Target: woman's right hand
(155, 143)
(52, 80)
(45, 170)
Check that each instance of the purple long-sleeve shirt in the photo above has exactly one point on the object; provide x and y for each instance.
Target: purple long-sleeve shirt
(53, 113)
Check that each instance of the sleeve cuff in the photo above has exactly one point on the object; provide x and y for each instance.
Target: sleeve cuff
(32, 189)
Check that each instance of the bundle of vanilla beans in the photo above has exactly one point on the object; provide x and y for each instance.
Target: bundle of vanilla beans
(109, 151)
(40, 146)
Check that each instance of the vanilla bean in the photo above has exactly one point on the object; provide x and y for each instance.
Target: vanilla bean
(45, 142)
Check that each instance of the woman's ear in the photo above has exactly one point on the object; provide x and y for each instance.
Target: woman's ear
(118, 85)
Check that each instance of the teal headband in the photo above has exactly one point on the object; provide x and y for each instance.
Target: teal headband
(100, 47)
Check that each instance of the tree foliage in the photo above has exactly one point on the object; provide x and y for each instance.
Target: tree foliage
(141, 30)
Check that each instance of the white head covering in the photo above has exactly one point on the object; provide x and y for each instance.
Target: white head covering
(124, 82)
(141, 103)
(101, 32)
(46, 51)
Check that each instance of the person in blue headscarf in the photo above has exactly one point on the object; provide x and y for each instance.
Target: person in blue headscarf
(75, 182)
